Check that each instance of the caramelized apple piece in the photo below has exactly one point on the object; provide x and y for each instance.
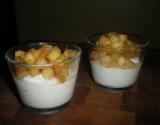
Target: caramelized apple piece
(45, 50)
(19, 55)
(61, 71)
(21, 72)
(35, 53)
(114, 38)
(41, 60)
(115, 50)
(122, 37)
(61, 58)
(106, 60)
(54, 54)
(44, 55)
(33, 71)
(47, 73)
(117, 45)
(70, 53)
(103, 41)
(115, 56)
(29, 58)
(122, 61)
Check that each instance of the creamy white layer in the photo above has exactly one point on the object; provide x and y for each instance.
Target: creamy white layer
(114, 77)
(38, 92)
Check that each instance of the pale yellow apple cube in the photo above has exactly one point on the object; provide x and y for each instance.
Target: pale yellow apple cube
(122, 61)
(62, 71)
(21, 72)
(106, 60)
(33, 71)
(35, 53)
(61, 58)
(41, 60)
(70, 53)
(113, 37)
(103, 41)
(19, 56)
(122, 37)
(117, 45)
(29, 58)
(115, 56)
(19, 53)
(54, 54)
(45, 50)
(48, 73)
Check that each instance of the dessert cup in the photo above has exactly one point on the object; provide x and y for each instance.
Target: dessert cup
(116, 59)
(44, 88)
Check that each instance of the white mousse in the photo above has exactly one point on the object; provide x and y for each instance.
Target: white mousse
(114, 77)
(38, 92)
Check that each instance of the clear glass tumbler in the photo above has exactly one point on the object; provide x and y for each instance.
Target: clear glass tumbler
(44, 88)
(116, 59)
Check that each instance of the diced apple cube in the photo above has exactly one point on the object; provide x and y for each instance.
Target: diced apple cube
(41, 60)
(61, 72)
(61, 58)
(122, 37)
(47, 73)
(19, 53)
(45, 50)
(113, 37)
(115, 56)
(19, 59)
(35, 53)
(54, 54)
(103, 41)
(33, 71)
(70, 53)
(117, 45)
(57, 68)
(122, 61)
(105, 60)
(29, 58)
(62, 76)
(21, 72)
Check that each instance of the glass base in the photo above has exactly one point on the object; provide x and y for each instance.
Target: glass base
(48, 111)
(113, 89)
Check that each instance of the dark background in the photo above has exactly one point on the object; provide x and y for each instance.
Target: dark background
(7, 25)
(73, 20)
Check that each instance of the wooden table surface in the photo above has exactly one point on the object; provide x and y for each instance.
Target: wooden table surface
(91, 105)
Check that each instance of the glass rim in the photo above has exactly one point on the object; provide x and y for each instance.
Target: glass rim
(41, 43)
(92, 42)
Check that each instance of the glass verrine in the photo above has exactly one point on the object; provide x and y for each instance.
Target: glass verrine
(116, 58)
(45, 86)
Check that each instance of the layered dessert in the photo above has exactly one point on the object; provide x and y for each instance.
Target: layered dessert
(115, 60)
(46, 76)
